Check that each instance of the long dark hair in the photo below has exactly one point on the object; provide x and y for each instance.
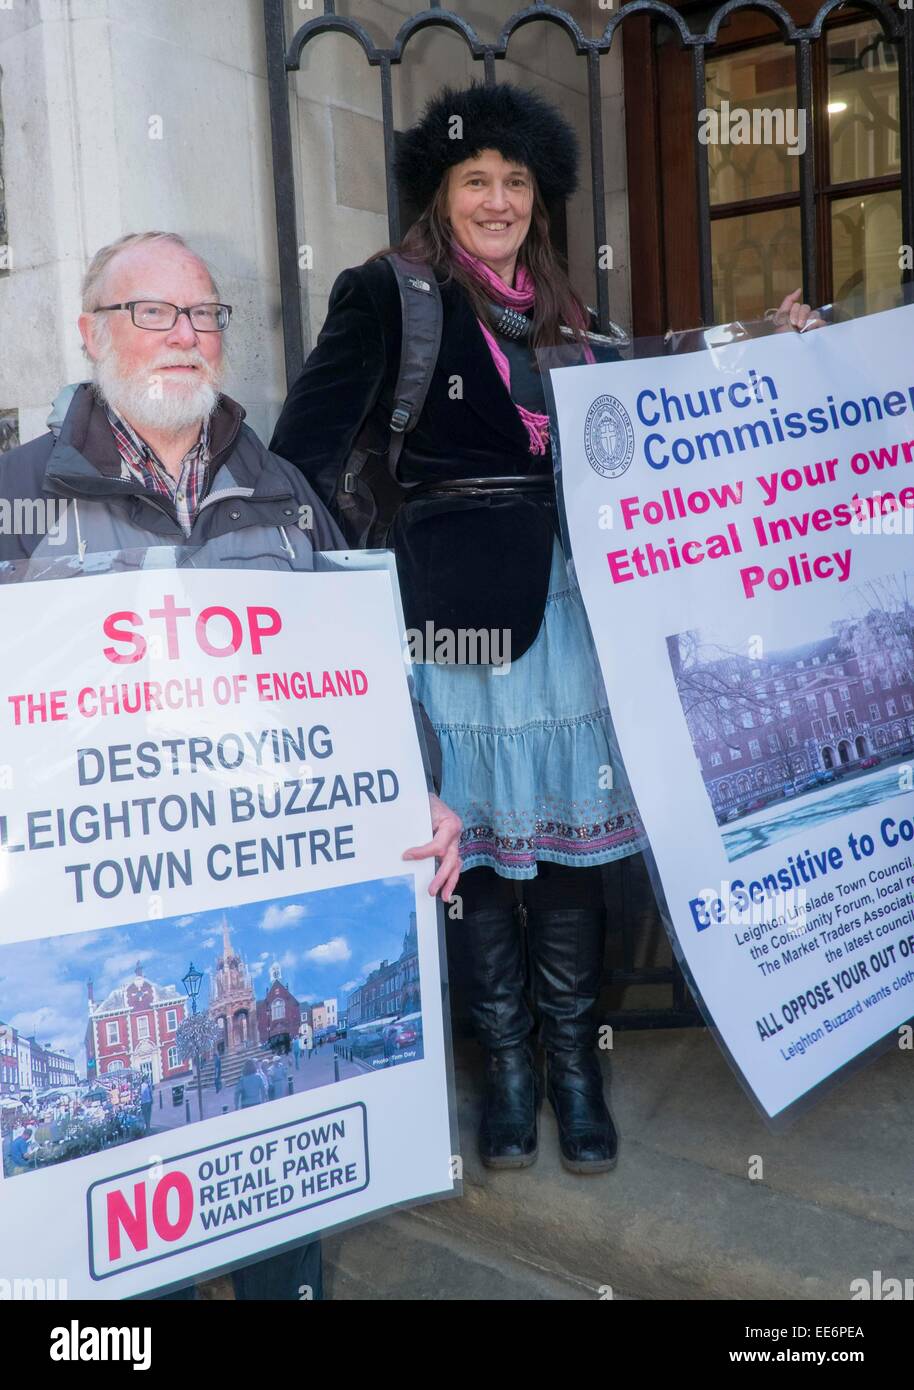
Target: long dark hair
(556, 303)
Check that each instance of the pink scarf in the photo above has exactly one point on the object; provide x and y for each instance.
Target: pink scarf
(520, 297)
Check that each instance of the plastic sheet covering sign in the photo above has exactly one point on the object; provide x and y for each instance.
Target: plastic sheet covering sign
(742, 526)
(220, 989)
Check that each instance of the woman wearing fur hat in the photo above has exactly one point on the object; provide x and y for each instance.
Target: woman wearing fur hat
(527, 746)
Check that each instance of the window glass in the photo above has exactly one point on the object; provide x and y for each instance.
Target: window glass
(866, 235)
(756, 261)
(863, 107)
(761, 80)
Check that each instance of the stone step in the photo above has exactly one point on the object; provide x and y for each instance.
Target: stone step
(233, 1064)
(410, 1255)
(682, 1217)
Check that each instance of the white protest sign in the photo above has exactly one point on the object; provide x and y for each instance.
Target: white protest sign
(221, 1023)
(741, 524)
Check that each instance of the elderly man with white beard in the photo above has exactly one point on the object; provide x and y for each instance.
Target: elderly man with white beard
(163, 380)
(151, 453)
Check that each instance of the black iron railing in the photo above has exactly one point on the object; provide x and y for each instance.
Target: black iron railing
(897, 26)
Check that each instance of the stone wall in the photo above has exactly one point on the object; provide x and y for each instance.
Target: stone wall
(121, 116)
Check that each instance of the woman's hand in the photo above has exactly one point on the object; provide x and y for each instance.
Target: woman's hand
(446, 828)
(791, 314)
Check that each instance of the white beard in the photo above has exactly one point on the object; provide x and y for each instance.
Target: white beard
(148, 403)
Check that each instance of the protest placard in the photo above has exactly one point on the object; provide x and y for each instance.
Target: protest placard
(221, 1018)
(741, 526)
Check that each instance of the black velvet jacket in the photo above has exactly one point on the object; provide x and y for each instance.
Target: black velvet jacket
(463, 563)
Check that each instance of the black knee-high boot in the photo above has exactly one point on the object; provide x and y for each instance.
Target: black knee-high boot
(567, 953)
(507, 1133)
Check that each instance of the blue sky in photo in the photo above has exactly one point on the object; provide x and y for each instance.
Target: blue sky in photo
(325, 943)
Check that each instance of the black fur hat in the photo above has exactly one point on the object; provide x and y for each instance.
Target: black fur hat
(521, 125)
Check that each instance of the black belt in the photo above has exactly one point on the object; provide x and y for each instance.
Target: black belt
(536, 483)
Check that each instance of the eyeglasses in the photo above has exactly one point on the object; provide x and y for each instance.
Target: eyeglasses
(159, 316)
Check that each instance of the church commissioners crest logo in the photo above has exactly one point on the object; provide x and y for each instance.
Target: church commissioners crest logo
(609, 440)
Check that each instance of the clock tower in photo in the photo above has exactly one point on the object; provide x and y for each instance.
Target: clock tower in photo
(232, 995)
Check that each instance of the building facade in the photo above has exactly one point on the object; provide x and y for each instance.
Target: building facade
(9, 1060)
(61, 1069)
(781, 722)
(392, 989)
(135, 1026)
(46, 1067)
(39, 1066)
(278, 1013)
(24, 1062)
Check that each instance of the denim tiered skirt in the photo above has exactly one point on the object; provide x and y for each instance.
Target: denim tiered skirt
(530, 759)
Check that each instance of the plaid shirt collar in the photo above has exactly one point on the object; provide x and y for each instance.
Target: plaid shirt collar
(139, 461)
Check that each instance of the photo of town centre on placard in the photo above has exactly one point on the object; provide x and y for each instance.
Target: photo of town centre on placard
(790, 735)
(117, 1035)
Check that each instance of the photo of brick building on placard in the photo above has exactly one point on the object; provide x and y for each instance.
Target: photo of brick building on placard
(825, 725)
(135, 1027)
(168, 1022)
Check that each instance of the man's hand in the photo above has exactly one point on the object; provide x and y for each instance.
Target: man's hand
(791, 315)
(446, 828)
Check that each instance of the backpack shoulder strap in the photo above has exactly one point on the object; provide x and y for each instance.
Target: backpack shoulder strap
(420, 304)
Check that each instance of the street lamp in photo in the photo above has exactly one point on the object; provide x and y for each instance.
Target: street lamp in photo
(191, 983)
(197, 1035)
